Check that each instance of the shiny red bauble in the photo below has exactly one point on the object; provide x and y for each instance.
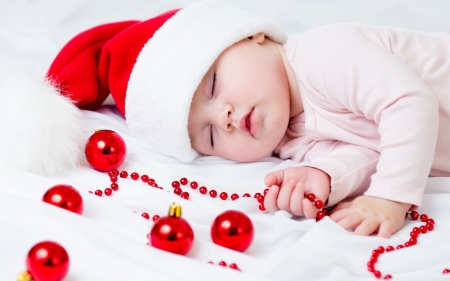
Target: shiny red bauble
(233, 230)
(64, 196)
(105, 150)
(47, 261)
(172, 233)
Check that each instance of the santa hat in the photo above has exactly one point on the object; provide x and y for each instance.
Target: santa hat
(152, 68)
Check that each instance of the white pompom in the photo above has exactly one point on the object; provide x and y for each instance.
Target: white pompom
(40, 130)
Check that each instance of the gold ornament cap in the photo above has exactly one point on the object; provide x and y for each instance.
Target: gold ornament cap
(25, 276)
(175, 210)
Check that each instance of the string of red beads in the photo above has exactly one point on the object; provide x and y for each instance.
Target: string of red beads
(223, 263)
(414, 234)
(428, 226)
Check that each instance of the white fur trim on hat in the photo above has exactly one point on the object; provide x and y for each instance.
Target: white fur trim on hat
(41, 131)
(172, 64)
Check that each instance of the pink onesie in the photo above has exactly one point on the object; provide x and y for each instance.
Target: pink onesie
(376, 109)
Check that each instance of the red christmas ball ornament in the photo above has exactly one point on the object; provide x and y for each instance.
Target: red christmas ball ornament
(64, 196)
(233, 230)
(46, 261)
(172, 233)
(105, 150)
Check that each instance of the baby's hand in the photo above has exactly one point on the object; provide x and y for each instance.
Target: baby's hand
(367, 215)
(288, 188)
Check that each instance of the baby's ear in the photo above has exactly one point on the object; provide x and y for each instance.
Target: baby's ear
(258, 37)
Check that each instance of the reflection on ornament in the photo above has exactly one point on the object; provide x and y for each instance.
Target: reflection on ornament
(46, 261)
(105, 150)
(64, 196)
(233, 230)
(172, 233)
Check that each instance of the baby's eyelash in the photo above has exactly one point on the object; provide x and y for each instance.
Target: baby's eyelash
(213, 85)
(211, 135)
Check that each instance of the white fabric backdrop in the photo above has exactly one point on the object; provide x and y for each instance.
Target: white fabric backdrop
(109, 241)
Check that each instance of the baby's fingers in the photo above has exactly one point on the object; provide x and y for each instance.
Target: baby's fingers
(348, 220)
(274, 178)
(367, 227)
(270, 200)
(386, 229)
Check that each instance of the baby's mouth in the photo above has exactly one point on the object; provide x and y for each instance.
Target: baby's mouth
(245, 124)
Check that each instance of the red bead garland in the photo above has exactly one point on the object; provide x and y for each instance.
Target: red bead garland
(414, 234)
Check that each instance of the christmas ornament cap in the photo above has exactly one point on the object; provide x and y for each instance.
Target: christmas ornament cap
(175, 210)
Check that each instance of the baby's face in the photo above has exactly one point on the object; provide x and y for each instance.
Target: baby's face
(240, 110)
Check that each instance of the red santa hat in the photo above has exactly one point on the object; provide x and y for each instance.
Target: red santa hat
(152, 68)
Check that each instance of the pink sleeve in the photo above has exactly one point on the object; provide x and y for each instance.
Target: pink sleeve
(359, 77)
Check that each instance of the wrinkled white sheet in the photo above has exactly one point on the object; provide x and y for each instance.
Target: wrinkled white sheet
(108, 242)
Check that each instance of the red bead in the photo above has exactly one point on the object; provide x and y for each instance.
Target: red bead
(47, 261)
(233, 266)
(145, 215)
(64, 196)
(175, 184)
(413, 234)
(108, 191)
(265, 191)
(112, 173)
(416, 229)
(155, 218)
(375, 252)
(210, 262)
(223, 196)
(98, 192)
(222, 263)
(414, 215)
(213, 193)
(183, 181)
(234, 196)
(320, 215)
(105, 150)
(144, 178)
(408, 244)
(260, 199)
(194, 185)
(177, 190)
(233, 230)
(430, 227)
(152, 183)
(413, 241)
(423, 217)
(430, 221)
(377, 274)
(387, 277)
(423, 229)
(123, 174)
(311, 197)
(184, 195)
(318, 204)
(389, 249)
(113, 179)
(371, 269)
(380, 249)
(446, 271)
(150, 180)
(203, 190)
(262, 207)
(246, 195)
(172, 234)
(370, 264)
(114, 186)
(134, 175)
(257, 194)
(400, 247)
(374, 259)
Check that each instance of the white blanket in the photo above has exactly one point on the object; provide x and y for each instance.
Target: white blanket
(108, 242)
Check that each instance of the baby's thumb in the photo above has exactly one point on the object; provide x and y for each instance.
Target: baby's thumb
(274, 178)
